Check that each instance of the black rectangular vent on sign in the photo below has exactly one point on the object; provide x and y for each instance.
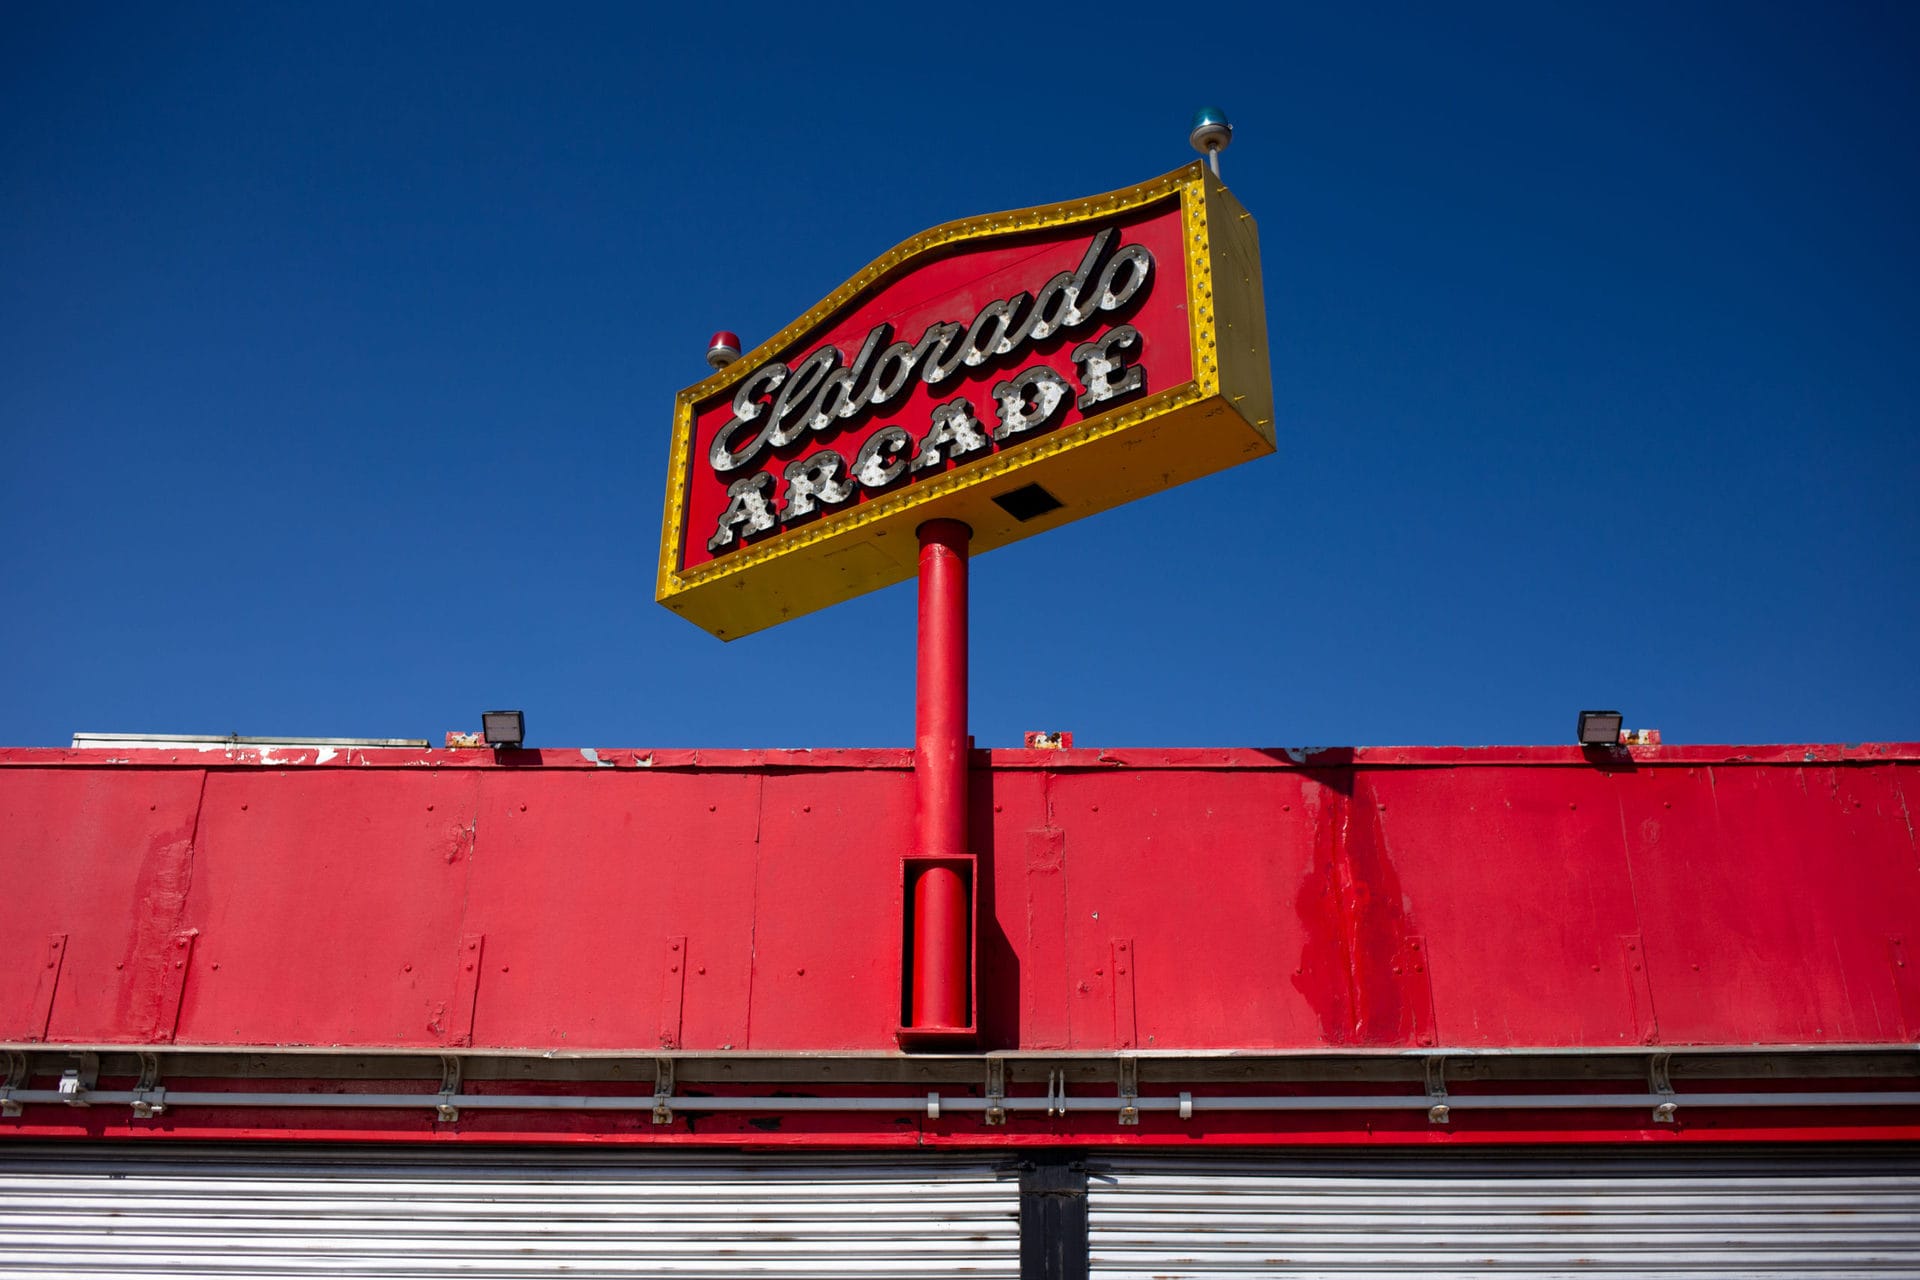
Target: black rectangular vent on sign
(1028, 502)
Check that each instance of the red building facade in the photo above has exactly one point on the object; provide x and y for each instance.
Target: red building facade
(1649, 949)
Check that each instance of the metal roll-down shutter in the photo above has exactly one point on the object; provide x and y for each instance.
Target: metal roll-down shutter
(153, 1210)
(1748, 1214)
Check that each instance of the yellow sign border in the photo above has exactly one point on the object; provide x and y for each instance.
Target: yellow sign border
(1203, 202)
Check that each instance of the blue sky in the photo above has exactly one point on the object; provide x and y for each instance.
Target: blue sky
(340, 345)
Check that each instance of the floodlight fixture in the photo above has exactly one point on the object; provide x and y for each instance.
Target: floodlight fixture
(1599, 728)
(503, 728)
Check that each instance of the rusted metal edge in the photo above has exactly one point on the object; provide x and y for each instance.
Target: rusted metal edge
(748, 1058)
(1007, 758)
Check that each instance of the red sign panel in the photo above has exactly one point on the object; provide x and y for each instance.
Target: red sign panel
(965, 358)
(1026, 343)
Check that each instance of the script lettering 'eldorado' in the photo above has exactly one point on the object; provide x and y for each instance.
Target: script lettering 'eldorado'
(777, 405)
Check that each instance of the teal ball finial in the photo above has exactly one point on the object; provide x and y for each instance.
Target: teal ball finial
(1211, 131)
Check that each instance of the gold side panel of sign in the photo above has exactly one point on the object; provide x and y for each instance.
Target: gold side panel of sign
(1214, 411)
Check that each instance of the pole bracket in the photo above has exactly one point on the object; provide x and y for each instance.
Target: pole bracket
(446, 1110)
(1440, 1112)
(77, 1082)
(16, 1078)
(663, 1090)
(996, 1112)
(1129, 1091)
(149, 1096)
(1056, 1091)
(1660, 1082)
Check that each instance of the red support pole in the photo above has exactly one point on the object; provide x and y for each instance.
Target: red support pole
(940, 895)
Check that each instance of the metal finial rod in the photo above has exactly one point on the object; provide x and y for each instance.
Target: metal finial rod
(1210, 134)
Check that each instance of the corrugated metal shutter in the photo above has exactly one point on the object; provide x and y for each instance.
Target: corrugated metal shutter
(152, 1210)
(1778, 1213)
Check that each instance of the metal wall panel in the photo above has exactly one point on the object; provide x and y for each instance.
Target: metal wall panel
(89, 1210)
(98, 867)
(1297, 901)
(1740, 1214)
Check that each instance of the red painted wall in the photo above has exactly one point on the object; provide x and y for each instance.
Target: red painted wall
(1520, 897)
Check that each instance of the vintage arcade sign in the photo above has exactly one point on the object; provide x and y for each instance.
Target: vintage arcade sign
(1013, 372)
